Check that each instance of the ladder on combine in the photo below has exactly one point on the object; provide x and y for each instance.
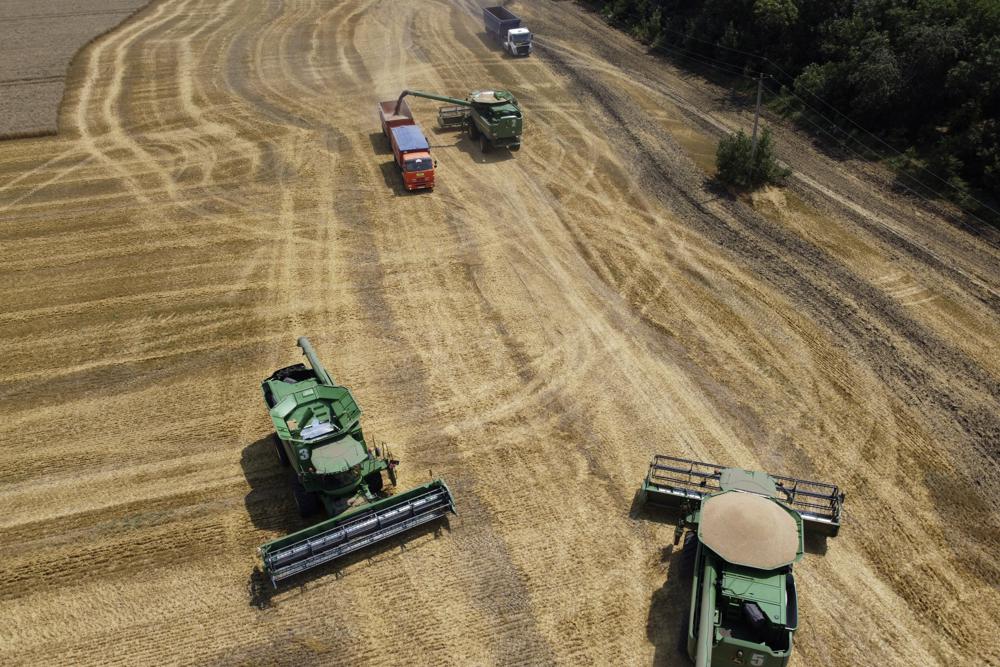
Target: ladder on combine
(673, 482)
(346, 533)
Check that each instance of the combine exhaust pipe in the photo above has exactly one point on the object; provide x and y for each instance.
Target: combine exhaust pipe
(341, 535)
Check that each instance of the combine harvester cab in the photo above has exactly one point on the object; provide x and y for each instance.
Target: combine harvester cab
(747, 530)
(318, 427)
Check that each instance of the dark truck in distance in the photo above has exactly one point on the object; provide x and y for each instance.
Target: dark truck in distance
(410, 149)
(505, 27)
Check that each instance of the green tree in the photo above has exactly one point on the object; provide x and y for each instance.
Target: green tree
(776, 15)
(740, 167)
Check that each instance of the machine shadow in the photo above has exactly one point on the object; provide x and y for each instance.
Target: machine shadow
(269, 503)
(271, 507)
(666, 624)
(261, 593)
(815, 544)
(471, 148)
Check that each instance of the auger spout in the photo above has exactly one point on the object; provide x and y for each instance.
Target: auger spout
(431, 96)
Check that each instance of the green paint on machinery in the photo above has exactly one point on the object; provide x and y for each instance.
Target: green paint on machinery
(318, 428)
(745, 531)
(490, 116)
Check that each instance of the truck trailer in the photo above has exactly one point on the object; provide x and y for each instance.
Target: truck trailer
(410, 149)
(505, 27)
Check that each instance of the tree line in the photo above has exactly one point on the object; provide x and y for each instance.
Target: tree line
(922, 75)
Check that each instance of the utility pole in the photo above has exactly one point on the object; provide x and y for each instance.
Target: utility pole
(756, 119)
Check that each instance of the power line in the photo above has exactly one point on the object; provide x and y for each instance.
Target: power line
(924, 169)
(830, 106)
(715, 44)
(870, 133)
(844, 144)
(721, 65)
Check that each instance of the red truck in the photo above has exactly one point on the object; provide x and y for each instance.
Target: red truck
(409, 145)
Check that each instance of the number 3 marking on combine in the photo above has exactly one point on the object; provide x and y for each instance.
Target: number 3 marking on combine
(757, 659)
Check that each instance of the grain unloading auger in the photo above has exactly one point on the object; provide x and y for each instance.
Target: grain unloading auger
(318, 427)
(746, 531)
(491, 116)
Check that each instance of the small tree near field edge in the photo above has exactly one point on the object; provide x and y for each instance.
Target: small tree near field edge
(738, 166)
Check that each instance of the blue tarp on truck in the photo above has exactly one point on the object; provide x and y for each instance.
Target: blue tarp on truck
(410, 138)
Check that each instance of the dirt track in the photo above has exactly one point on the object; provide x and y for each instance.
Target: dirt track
(533, 331)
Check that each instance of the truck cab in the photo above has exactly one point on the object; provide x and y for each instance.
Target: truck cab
(418, 170)
(518, 42)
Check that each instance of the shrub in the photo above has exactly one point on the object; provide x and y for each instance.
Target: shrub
(739, 167)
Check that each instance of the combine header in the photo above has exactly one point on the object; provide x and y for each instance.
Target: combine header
(318, 425)
(747, 529)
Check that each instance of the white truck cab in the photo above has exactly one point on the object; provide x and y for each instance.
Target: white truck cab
(518, 42)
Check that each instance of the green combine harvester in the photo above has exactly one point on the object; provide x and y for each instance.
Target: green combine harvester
(318, 427)
(747, 530)
(491, 116)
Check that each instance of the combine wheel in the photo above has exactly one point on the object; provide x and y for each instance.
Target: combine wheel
(374, 481)
(515, 147)
(484, 144)
(473, 130)
(282, 454)
(307, 503)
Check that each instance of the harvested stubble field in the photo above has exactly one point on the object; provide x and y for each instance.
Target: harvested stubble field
(532, 331)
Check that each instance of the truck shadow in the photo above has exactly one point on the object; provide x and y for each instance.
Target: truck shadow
(394, 181)
(494, 46)
(380, 143)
